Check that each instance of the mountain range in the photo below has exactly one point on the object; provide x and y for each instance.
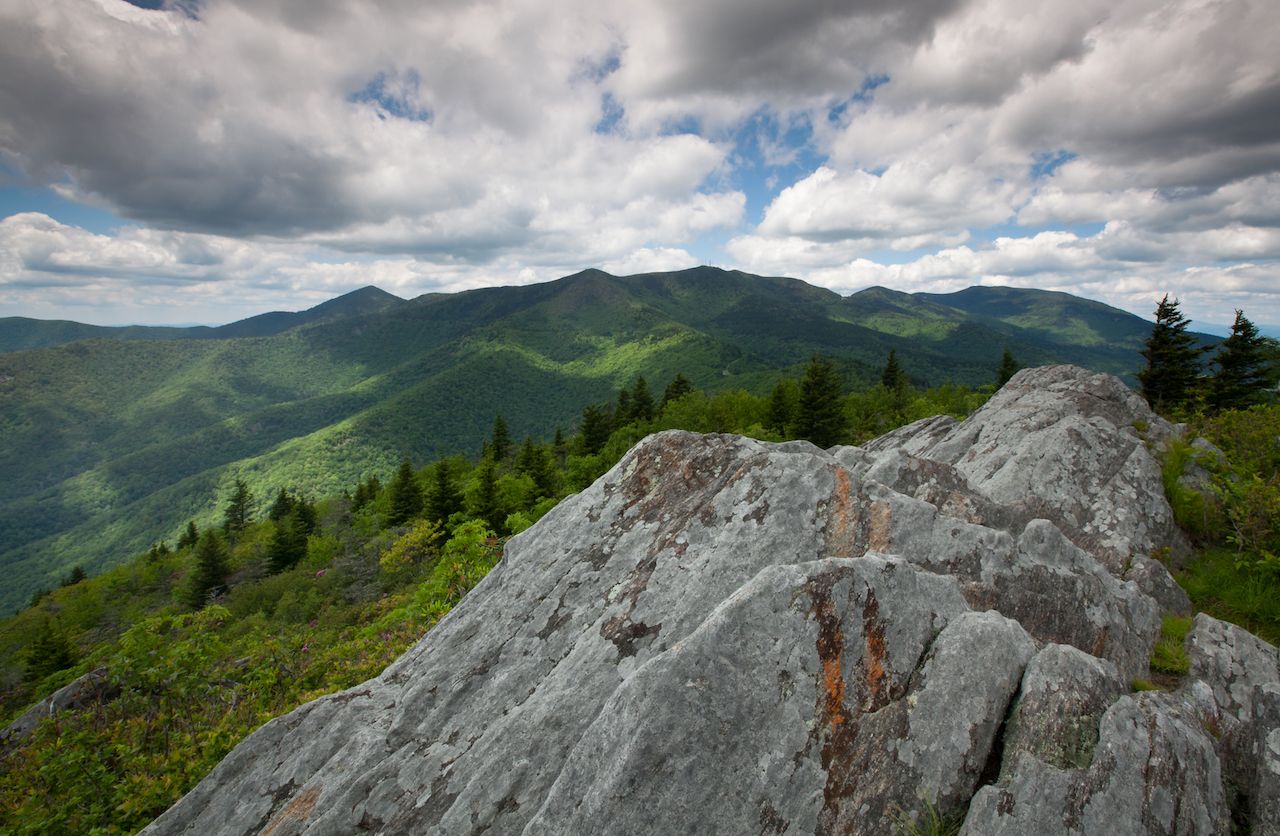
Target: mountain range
(115, 437)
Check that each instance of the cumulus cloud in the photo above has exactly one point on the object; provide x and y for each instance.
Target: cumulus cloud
(273, 144)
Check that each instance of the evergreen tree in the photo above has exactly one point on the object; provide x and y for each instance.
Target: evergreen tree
(821, 414)
(406, 496)
(642, 406)
(49, 652)
(444, 500)
(366, 492)
(74, 577)
(209, 573)
(189, 537)
(236, 515)
(784, 402)
(500, 446)
(1008, 368)
(676, 389)
(596, 427)
(282, 507)
(288, 543)
(525, 458)
(623, 413)
(1242, 375)
(1173, 360)
(305, 513)
(893, 377)
(485, 505)
(543, 473)
(559, 448)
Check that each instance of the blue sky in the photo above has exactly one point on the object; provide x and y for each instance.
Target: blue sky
(205, 161)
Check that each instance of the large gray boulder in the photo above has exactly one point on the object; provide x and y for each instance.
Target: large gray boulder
(727, 636)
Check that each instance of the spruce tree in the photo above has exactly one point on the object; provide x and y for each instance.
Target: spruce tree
(559, 448)
(821, 414)
(236, 515)
(622, 413)
(596, 427)
(500, 446)
(444, 499)
(1008, 368)
(282, 507)
(1241, 378)
(485, 504)
(676, 389)
(288, 543)
(50, 651)
(642, 406)
(406, 495)
(209, 573)
(783, 405)
(189, 537)
(893, 377)
(1173, 360)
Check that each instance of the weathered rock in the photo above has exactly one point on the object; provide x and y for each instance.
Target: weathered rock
(91, 688)
(722, 635)
(1264, 791)
(1153, 770)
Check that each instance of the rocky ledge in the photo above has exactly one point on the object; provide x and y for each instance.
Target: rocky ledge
(727, 636)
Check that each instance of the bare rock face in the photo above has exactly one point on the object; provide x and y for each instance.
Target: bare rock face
(727, 636)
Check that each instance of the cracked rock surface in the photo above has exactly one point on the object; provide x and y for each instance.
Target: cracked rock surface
(727, 636)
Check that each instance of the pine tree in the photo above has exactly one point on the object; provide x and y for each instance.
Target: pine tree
(485, 504)
(596, 428)
(784, 402)
(500, 446)
(1173, 360)
(50, 651)
(1008, 368)
(282, 507)
(623, 412)
(236, 515)
(1241, 378)
(893, 377)
(821, 414)
(189, 537)
(444, 500)
(676, 389)
(406, 496)
(642, 405)
(209, 573)
(288, 543)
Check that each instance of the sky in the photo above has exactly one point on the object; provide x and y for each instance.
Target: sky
(198, 161)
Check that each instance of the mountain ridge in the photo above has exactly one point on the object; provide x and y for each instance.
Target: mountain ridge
(113, 444)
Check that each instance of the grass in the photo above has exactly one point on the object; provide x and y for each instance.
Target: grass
(1169, 656)
(1221, 588)
(929, 823)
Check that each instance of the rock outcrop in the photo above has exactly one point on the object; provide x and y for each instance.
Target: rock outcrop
(727, 636)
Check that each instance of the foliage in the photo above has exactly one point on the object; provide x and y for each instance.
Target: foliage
(500, 442)
(414, 548)
(1169, 656)
(1242, 375)
(931, 821)
(893, 377)
(1008, 368)
(820, 418)
(406, 495)
(208, 574)
(236, 515)
(1173, 361)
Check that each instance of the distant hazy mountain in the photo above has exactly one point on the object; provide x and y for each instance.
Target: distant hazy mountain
(114, 438)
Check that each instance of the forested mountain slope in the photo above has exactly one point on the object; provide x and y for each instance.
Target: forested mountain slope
(111, 444)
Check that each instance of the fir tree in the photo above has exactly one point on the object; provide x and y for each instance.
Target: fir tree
(288, 543)
(1008, 368)
(500, 446)
(236, 515)
(1173, 360)
(282, 507)
(893, 377)
(406, 496)
(189, 537)
(642, 406)
(543, 473)
(784, 402)
(596, 428)
(74, 577)
(209, 573)
(444, 499)
(821, 415)
(1241, 378)
(49, 652)
(623, 413)
(485, 505)
(676, 389)
(559, 448)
